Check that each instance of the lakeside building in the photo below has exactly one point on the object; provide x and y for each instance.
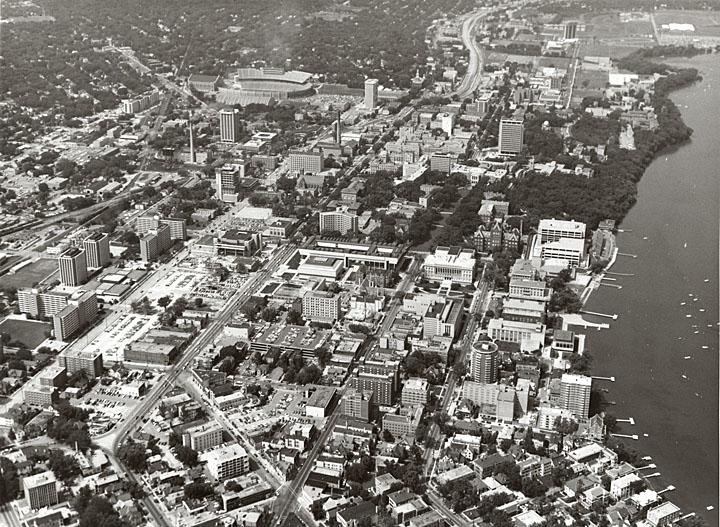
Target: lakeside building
(530, 336)
(552, 230)
(575, 393)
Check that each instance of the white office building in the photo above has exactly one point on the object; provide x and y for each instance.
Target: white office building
(450, 263)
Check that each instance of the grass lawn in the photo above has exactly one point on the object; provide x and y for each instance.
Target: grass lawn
(31, 273)
(29, 332)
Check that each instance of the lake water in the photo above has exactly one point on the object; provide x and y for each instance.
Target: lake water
(669, 309)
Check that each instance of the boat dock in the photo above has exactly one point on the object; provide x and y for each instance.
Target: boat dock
(613, 316)
(578, 320)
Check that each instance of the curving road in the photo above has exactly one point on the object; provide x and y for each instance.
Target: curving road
(472, 78)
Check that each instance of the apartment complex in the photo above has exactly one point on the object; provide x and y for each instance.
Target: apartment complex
(321, 306)
(72, 264)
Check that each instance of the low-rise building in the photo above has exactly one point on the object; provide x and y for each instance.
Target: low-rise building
(450, 263)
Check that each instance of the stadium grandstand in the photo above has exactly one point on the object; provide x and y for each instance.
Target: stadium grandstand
(267, 82)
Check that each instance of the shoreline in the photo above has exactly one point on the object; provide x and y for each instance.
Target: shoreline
(615, 441)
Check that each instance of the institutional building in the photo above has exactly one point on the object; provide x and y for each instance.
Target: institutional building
(338, 221)
(570, 250)
(414, 392)
(229, 126)
(552, 230)
(511, 136)
(404, 423)
(450, 263)
(530, 336)
(97, 250)
(40, 490)
(371, 93)
(302, 162)
(72, 264)
(575, 394)
(443, 319)
(321, 306)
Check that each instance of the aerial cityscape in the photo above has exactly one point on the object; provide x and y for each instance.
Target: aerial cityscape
(361, 263)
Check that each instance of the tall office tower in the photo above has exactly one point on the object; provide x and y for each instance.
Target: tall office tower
(338, 128)
(511, 136)
(447, 122)
(575, 394)
(371, 93)
(484, 362)
(40, 490)
(570, 30)
(73, 266)
(97, 250)
(192, 145)
(226, 182)
(230, 126)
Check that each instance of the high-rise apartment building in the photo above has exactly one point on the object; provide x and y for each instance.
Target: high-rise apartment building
(73, 266)
(511, 138)
(203, 437)
(321, 306)
(39, 303)
(230, 126)
(570, 30)
(575, 394)
(358, 404)
(155, 243)
(484, 362)
(178, 226)
(76, 315)
(97, 250)
(227, 462)
(91, 362)
(338, 221)
(371, 93)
